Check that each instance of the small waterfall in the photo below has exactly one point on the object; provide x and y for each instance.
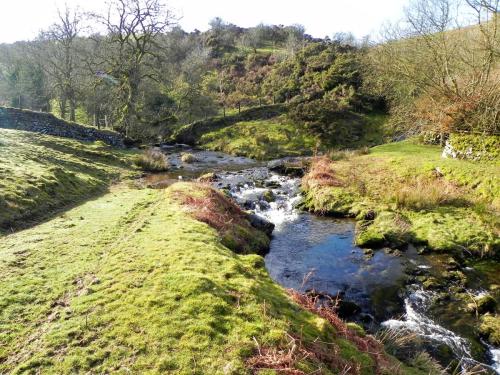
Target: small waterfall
(416, 320)
(286, 196)
(249, 188)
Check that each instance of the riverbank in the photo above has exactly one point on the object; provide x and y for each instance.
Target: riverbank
(268, 132)
(406, 193)
(403, 194)
(148, 280)
(131, 281)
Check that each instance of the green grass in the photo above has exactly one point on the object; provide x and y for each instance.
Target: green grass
(130, 282)
(279, 137)
(40, 173)
(419, 197)
(267, 132)
(261, 139)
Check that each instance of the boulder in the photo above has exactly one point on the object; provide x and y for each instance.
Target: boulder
(262, 224)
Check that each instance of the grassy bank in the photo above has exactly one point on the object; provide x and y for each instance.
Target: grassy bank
(405, 192)
(261, 139)
(132, 282)
(267, 132)
(41, 173)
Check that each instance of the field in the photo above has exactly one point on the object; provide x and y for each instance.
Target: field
(137, 280)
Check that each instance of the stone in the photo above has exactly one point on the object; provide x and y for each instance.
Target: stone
(347, 309)
(269, 196)
(46, 123)
(260, 223)
(208, 177)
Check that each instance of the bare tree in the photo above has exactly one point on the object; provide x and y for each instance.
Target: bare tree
(129, 47)
(440, 66)
(58, 54)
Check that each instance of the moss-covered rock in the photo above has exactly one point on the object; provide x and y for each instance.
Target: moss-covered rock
(472, 146)
(188, 158)
(490, 329)
(208, 177)
(269, 196)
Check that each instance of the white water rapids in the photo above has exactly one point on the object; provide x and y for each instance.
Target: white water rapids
(415, 320)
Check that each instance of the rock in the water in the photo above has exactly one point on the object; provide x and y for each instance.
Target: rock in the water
(260, 223)
(347, 309)
(483, 304)
(208, 177)
(269, 196)
(288, 168)
(490, 329)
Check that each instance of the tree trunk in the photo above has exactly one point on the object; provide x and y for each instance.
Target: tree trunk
(62, 108)
(239, 107)
(72, 110)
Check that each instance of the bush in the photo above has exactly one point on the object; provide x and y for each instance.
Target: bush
(152, 161)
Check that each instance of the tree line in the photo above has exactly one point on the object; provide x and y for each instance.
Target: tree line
(134, 69)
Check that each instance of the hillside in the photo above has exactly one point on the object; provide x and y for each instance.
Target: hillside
(268, 132)
(41, 173)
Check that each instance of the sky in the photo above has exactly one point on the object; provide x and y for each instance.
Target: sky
(23, 19)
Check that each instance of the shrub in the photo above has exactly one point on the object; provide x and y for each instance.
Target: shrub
(152, 161)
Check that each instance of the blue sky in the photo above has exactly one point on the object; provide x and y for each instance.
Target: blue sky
(22, 19)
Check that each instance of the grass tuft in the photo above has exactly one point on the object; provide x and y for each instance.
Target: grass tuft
(152, 160)
(425, 193)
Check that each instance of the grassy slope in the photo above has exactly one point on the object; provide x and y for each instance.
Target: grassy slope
(129, 282)
(452, 209)
(261, 139)
(40, 173)
(278, 136)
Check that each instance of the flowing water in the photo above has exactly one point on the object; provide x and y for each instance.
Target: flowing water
(313, 253)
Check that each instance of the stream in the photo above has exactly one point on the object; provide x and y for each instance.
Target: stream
(317, 254)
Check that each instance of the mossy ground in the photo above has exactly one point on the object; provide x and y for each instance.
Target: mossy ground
(278, 136)
(40, 173)
(261, 139)
(413, 195)
(130, 282)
